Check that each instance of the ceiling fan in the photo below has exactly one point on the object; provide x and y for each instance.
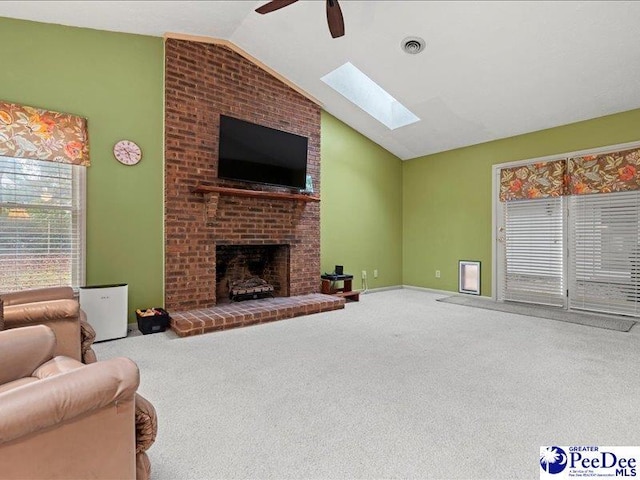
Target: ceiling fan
(334, 14)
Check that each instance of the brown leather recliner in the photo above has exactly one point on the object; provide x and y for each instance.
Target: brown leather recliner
(57, 308)
(63, 419)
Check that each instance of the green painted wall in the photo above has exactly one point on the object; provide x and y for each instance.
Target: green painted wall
(405, 219)
(361, 208)
(447, 196)
(115, 80)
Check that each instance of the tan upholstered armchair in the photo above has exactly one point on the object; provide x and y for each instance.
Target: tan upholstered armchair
(63, 419)
(57, 308)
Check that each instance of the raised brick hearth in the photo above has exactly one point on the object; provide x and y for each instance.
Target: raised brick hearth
(202, 82)
(251, 312)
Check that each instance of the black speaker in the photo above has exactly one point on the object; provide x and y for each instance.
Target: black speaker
(339, 270)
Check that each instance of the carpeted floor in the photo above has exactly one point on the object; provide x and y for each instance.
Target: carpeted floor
(609, 322)
(395, 386)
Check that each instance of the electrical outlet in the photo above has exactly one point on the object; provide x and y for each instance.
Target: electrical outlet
(375, 273)
(437, 273)
(364, 274)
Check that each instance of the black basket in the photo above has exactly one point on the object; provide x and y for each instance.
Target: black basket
(153, 323)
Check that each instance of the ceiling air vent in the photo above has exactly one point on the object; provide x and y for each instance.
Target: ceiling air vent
(413, 45)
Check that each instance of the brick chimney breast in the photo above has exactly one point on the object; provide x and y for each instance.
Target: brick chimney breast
(202, 82)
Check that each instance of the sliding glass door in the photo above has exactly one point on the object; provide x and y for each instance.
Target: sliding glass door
(576, 246)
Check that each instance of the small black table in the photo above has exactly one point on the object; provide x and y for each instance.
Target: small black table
(329, 288)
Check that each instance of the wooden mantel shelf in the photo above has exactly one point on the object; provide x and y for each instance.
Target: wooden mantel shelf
(239, 192)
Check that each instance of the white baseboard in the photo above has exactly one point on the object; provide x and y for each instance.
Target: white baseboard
(381, 289)
(409, 287)
(442, 292)
(430, 290)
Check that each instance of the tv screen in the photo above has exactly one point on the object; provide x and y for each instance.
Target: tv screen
(254, 153)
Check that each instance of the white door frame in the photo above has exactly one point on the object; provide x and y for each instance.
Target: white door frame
(496, 208)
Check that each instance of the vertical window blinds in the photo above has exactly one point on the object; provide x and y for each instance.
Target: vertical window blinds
(534, 257)
(41, 224)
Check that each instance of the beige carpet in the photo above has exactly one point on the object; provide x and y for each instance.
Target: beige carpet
(397, 385)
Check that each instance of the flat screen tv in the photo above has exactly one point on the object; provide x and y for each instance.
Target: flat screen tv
(254, 153)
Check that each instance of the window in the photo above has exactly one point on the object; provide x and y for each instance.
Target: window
(358, 88)
(41, 224)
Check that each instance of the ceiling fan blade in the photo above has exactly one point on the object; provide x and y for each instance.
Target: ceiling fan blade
(274, 5)
(334, 19)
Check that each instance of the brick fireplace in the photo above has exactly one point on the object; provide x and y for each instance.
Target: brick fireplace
(202, 82)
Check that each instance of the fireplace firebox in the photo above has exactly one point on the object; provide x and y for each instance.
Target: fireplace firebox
(251, 271)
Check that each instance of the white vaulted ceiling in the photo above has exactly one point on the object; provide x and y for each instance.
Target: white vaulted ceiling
(490, 69)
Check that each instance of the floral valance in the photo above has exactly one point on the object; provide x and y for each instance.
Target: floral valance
(605, 173)
(28, 132)
(536, 180)
(610, 172)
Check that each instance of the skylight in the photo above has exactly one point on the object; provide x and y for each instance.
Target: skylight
(356, 87)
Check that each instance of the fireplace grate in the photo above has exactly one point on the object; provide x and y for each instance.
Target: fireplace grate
(250, 289)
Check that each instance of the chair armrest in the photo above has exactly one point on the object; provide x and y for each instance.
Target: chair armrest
(40, 312)
(61, 398)
(146, 424)
(23, 350)
(56, 366)
(37, 295)
(87, 337)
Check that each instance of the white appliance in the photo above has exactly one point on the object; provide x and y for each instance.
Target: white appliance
(106, 309)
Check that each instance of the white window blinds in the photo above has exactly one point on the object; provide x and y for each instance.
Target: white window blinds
(534, 263)
(41, 224)
(605, 260)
